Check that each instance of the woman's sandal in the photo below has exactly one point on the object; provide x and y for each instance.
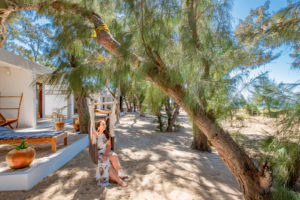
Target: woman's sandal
(123, 184)
(122, 175)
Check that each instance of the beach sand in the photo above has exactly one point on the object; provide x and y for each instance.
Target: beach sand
(160, 166)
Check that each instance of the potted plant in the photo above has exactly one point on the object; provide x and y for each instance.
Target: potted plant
(76, 123)
(21, 156)
(59, 118)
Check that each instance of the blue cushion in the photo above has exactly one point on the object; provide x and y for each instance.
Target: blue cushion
(6, 134)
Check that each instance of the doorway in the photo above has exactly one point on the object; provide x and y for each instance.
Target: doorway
(39, 100)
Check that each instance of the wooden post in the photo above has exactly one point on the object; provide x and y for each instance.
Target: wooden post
(66, 141)
(53, 144)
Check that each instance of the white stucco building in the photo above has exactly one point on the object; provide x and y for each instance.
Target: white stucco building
(103, 100)
(18, 75)
(57, 97)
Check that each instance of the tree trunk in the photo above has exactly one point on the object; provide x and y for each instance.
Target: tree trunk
(255, 184)
(83, 113)
(142, 114)
(126, 103)
(138, 103)
(269, 109)
(169, 114)
(121, 104)
(3, 30)
(199, 140)
(172, 119)
(130, 105)
(160, 122)
(117, 99)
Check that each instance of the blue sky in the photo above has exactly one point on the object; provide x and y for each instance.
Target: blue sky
(280, 68)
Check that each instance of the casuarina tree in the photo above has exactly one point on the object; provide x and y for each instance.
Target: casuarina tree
(155, 27)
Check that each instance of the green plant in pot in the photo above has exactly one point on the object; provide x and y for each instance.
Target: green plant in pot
(76, 123)
(21, 156)
(59, 118)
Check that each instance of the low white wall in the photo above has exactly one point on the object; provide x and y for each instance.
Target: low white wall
(25, 180)
(14, 81)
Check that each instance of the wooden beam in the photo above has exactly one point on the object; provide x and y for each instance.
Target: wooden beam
(104, 103)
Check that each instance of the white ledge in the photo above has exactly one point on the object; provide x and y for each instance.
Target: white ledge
(25, 180)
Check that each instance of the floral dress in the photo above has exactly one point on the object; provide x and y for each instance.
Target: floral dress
(102, 172)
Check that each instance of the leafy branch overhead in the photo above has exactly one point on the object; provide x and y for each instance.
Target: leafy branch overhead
(263, 30)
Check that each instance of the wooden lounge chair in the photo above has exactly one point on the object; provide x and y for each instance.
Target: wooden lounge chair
(101, 114)
(101, 111)
(8, 122)
(11, 137)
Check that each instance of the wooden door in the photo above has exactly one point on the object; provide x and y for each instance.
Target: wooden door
(39, 100)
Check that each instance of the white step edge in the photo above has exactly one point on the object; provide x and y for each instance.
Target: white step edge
(25, 180)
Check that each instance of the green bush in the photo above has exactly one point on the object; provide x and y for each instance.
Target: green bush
(251, 109)
(283, 193)
(283, 156)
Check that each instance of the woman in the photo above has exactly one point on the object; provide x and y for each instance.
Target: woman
(104, 168)
(113, 157)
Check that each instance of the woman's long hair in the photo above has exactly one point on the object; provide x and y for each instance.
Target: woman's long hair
(107, 130)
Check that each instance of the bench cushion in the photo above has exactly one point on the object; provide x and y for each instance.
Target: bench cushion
(6, 134)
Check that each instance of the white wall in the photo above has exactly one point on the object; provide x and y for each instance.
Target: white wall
(14, 81)
(107, 98)
(55, 98)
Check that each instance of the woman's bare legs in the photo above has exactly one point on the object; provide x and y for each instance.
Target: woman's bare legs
(115, 162)
(114, 176)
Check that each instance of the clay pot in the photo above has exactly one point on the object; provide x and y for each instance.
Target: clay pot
(20, 158)
(59, 126)
(76, 125)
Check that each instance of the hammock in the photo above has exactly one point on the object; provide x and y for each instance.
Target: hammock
(93, 149)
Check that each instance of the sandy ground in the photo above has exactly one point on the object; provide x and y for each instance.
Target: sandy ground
(251, 131)
(160, 165)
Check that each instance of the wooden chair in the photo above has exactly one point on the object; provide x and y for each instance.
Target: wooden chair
(101, 111)
(8, 122)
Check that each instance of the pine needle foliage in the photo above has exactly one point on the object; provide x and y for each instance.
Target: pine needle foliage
(285, 158)
(261, 29)
(201, 63)
(30, 36)
(284, 193)
(263, 93)
(155, 100)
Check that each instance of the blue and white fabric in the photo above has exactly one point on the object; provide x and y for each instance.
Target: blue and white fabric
(6, 134)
